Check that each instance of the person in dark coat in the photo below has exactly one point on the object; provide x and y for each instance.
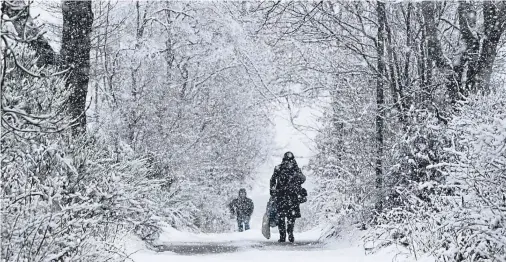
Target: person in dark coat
(242, 207)
(286, 188)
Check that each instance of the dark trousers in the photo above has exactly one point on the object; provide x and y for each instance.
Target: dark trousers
(241, 221)
(290, 223)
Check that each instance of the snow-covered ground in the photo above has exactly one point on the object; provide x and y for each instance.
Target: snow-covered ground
(251, 246)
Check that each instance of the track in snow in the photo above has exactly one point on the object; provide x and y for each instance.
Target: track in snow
(195, 248)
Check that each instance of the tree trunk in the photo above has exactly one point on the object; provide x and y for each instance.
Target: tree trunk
(494, 18)
(396, 83)
(75, 50)
(380, 101)
(467, 67)
(409, 43)
(19, 13)
(472, 73)
(434, 56)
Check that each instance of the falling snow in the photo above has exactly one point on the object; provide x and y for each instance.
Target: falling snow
(253, 131)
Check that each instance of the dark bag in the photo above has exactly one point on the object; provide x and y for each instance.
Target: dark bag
(272, 212)
(302, 195)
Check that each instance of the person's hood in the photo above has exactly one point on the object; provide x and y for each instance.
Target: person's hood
(288, 156)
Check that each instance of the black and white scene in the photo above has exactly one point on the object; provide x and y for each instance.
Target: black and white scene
(248, 130)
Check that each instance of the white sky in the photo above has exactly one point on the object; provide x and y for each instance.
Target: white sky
(297, 140)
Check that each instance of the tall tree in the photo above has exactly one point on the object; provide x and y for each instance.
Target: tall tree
(380, 99)
(76, 46)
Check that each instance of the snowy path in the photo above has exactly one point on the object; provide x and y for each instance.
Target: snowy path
(231, 247)
(251, 245)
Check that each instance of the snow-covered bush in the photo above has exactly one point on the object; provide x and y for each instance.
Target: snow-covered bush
(461, 215)
(420, 146)
(64, 198)
(472, 220)
(71, 201)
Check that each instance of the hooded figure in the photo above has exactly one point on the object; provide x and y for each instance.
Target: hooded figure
(286, 188)
(242, 207)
